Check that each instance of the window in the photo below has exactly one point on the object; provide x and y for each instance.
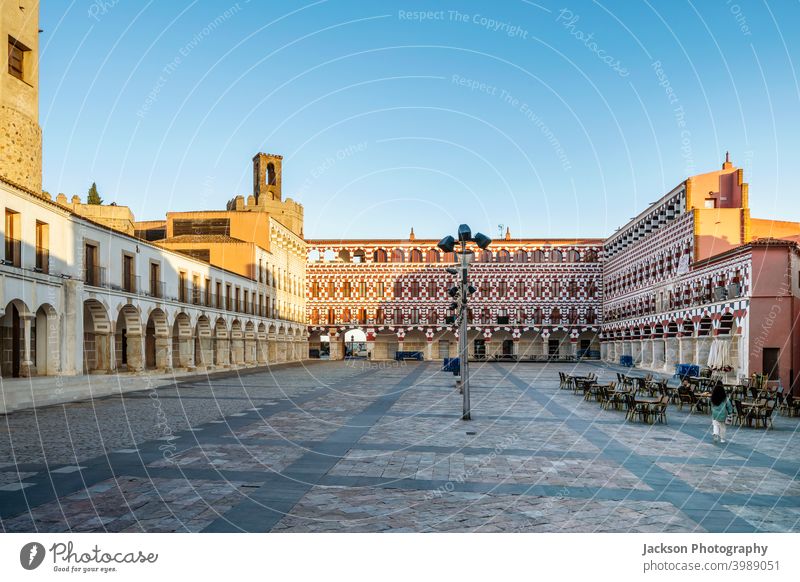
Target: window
(520, 288)
(502, 316)
(128, 282)
(207, 301)
(362, 289)
(346, 289)
(196, 289)
(12, 238)
(218, 301)
(414, 315)
(379, 256)
(16, 58)
(331, 289)
(415, 256)
(379, 289)
(42, 247)
(398, 256)
(155, 280)
(182, 286)
(92, 274)
(398, 289)
(433, 256)
(398, 315)
(501, 288)
(379, 315)
(314, 289)
(228, 297)
(331, 315)
(315, 316)
(414, 286)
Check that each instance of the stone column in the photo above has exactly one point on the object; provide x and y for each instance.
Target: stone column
(104, 351)
(261, 350)
(429, 349)
(135, 352)
(272, 349)
(184, 355)
(26, 364)
(282, 350)
(222, 352)
(647, 353)
(703, 349)
(573, 347)
(249, 351)
(604, 351)
(658, 353)
(671, 352)
(163, 353)
(636, 352)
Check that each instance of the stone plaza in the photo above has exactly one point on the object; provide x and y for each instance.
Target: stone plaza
(359, 446)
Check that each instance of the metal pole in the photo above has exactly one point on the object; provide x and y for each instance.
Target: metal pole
(463, 345)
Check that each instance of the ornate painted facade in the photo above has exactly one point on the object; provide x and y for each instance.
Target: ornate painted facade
(534, 297)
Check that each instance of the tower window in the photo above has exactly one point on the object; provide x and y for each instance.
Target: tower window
(271, 178)
(16, 58)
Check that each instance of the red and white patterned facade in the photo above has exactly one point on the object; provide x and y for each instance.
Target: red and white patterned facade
(529, 292)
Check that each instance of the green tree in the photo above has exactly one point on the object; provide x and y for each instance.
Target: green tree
(93, 197)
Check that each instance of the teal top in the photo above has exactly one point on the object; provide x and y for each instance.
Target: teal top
(720, 412)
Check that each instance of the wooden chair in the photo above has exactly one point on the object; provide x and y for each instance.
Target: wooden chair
(658, 411)
(763, 415)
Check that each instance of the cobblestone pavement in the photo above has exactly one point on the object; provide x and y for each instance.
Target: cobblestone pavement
(342, 446)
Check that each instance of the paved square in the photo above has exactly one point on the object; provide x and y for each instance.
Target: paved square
(341, 447)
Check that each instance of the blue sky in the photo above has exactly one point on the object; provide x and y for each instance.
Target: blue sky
(555, 119)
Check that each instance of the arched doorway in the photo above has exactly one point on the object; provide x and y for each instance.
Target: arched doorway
(97, 338)
(156, 341)
(128, 340)
(355, 343)
(47, 337)
(17, 332)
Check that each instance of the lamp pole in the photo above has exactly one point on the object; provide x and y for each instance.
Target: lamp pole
(460, 293)
(463, 345)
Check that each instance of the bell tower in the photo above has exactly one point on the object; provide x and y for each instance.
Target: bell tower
(267, 171)
(21, 138)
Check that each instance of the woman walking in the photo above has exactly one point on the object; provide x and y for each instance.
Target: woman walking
(721, 407)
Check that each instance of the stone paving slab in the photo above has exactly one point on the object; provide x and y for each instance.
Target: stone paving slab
(134, 504)
(338, 509)
(770, 519)
(489, 433)
(237, 457)
(488, 468)
(742, 479)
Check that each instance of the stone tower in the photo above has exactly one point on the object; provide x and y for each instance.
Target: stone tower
(21, 138)
(267, 173)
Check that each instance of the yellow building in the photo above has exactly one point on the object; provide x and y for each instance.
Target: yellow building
(260, 237)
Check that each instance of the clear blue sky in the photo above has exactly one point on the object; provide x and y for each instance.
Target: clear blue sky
(553, 121)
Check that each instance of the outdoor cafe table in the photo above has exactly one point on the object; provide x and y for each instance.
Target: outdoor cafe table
(648, 402)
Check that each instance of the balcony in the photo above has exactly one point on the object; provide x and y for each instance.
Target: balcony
(95, 276)
(157, 289)
(42, 260)
(13, 253)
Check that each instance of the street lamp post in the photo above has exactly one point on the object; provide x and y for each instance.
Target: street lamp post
(461, 293)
